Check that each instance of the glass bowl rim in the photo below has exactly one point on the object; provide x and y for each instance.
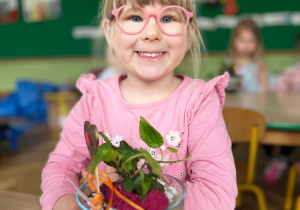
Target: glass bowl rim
(175, 205)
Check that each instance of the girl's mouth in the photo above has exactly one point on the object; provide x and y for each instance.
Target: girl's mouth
(150, 55)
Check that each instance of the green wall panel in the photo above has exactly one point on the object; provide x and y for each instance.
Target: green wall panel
(54, 38)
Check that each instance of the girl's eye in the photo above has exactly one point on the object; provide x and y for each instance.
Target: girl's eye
(167, 19)
(136, 19)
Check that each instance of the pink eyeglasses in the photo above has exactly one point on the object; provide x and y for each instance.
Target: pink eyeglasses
(171, 20)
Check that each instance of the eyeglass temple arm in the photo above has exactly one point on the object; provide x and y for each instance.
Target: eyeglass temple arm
(110, 17)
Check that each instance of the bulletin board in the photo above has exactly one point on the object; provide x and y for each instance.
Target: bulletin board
(27, 36)
(42, 35)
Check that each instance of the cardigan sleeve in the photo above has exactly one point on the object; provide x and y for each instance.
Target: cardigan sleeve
(70, 155)
(212, 175)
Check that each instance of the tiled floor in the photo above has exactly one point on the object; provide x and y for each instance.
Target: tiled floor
(21, 172)
(274, 194)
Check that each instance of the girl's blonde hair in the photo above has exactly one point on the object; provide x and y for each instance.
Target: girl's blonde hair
(193, 32)
(250, 25)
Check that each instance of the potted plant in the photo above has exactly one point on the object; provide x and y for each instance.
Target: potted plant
(137, 187)
(234, 83)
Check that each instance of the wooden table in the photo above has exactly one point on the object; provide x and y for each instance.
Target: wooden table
(281, 111)
(11, 120)
(11, 200)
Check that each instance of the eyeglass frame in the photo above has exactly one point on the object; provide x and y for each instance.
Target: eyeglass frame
(116, 12)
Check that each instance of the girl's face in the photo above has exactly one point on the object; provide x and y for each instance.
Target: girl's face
(150, 55)
(245, 43)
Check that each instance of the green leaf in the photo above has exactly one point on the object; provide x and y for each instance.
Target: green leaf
(149, 135)
(158, 186)
(128, 184)
(146, 183)
(138, 184)
(95, 162)
(154, 165)
(109, 155)
(172, 150)
(128, 167)
(130, 159)
(106, 153)
(125, 155)
(125, 147)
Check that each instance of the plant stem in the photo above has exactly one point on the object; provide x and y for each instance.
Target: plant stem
(177, 161)
(145, 163)
(118, 161)
(162, 155)
(129, 159)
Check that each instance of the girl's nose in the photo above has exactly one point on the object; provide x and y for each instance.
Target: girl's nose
(151, 31)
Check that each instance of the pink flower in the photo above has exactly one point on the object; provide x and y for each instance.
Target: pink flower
(116, 140)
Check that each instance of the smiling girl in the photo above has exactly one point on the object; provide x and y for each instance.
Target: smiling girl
(150, 38)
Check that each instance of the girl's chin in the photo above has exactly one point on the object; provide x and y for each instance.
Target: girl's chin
(150, 77)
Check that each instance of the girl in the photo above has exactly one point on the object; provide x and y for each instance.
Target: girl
(150, 39)
(245, 51)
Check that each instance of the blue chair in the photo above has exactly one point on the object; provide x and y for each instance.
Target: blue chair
(27, 104)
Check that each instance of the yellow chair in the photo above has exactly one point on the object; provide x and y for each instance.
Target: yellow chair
(246, 126)
(290, 188)
(59, 105)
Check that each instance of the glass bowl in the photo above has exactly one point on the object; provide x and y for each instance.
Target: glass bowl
(177, 201)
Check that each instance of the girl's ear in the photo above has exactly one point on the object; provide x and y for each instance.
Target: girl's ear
(107, 31)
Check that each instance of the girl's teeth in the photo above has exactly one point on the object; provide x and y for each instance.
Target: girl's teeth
(153, 55)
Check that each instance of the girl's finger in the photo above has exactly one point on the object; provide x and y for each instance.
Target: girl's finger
(73, 206)
(83, 174)
(111, 173)
(110, 169)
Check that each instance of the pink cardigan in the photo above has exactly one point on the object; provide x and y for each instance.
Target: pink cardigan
(190, 120)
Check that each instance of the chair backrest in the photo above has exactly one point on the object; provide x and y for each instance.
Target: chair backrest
(245, 126)
(240, 121)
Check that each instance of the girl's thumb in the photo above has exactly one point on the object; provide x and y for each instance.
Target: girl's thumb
(73, 206)
(110, 169)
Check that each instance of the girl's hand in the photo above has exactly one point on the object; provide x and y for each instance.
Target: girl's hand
(110, 172)
(67, 202)
(74, 206)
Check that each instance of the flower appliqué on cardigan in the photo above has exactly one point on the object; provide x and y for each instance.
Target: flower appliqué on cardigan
(173, 138)
(153, 152)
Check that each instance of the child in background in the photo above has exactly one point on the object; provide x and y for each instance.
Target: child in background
(290, 78)
(150, 38)
(246, 51)
(115, 67)
(289, 81)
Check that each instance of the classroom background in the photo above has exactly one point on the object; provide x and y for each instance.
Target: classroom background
(45, 45)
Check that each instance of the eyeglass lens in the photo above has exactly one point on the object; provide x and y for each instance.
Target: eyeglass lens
(132, 20)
